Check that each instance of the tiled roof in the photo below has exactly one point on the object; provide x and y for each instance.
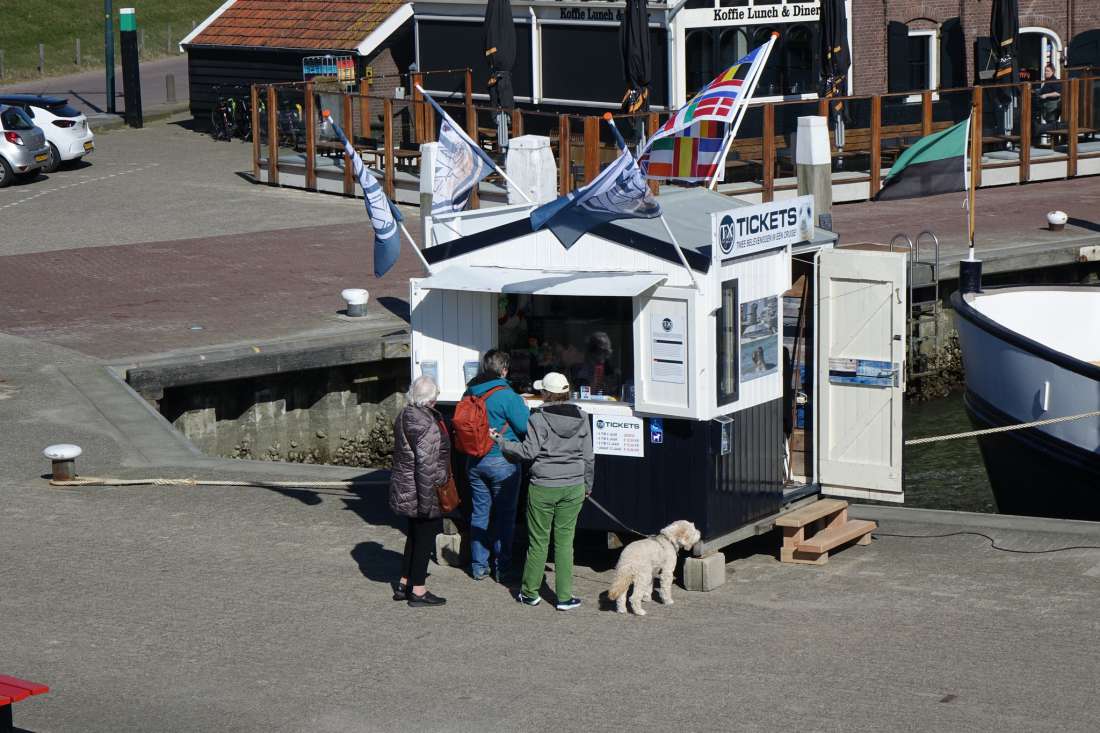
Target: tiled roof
(307, 24)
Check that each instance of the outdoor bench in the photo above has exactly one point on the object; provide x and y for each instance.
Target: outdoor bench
(12, 690)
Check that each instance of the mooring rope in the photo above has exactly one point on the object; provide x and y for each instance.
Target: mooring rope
(1003, 429)
(347, 483)
(95, 481)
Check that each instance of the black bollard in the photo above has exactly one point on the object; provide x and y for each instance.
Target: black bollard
(970, 276)
(131, 69)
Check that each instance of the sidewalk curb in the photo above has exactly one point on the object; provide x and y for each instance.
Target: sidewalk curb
(106, 122)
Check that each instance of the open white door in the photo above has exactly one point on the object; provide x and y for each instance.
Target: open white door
(861, 373)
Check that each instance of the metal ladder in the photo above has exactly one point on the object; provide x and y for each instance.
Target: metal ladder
(924, 312)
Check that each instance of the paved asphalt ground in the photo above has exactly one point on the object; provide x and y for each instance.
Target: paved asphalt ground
(239, 609)
(87, 90)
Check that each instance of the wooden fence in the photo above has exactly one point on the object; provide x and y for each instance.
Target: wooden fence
(1019, 130)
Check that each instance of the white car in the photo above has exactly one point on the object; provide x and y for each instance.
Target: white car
(65, 127)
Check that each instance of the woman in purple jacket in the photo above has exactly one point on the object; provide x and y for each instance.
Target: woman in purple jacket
(421, 461)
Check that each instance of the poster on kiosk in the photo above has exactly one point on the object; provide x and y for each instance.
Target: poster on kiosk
(763, 364)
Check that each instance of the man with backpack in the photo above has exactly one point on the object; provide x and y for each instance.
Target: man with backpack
(490, 402)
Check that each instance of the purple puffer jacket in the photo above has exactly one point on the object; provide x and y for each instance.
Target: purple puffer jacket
(421, 460)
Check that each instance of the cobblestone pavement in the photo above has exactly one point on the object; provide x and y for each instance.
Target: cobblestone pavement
(157, 235)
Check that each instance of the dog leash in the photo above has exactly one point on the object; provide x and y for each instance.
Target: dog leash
(615, 519)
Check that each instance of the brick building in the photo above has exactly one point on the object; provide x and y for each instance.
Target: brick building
(899, 45)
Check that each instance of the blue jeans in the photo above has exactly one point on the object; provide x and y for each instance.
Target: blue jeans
(494, 483)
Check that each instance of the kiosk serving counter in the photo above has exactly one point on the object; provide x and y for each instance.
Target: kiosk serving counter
(713, 397)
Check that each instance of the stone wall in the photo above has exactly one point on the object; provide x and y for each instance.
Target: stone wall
(341, 416)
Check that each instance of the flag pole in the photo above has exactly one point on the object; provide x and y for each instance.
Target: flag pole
(744, 108)
(975, 166)
(496, 167)
(610, 120)
(412, 243)
(680, 252)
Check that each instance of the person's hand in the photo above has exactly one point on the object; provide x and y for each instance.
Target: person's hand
(587, 493)
(494, 434)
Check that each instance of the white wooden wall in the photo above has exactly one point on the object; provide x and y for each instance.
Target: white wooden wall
(450, 327)
(764, 275)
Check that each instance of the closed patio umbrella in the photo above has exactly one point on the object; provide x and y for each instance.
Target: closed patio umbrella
(500, 51)
(1004, 29)
(836, 57)
(637, 66)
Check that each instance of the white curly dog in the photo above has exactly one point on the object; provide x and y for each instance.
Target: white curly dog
(643, 559)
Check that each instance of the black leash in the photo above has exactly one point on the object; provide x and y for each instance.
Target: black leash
(615, 519)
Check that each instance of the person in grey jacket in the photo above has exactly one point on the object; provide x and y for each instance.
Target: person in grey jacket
(559, 444)
(421, 462)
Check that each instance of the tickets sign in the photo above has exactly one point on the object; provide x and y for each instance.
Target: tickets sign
(617, 435)
(751, 229)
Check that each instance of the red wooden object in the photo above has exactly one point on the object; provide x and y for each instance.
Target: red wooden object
(32, 687)
(15, 694)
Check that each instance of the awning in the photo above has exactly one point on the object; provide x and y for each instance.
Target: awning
(486, 279)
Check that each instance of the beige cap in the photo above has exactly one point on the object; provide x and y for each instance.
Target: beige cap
(553, 382)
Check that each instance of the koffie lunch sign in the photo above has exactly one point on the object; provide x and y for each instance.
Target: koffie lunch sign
(751, 229)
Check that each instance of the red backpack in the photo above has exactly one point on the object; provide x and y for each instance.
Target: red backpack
(471, 425)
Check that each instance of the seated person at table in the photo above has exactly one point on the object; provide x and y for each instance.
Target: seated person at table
(1049, 95)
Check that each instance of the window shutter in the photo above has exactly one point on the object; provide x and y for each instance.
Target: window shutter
(897, 57)
(952, 54)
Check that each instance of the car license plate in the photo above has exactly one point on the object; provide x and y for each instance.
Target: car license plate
(88, 146)
(41, 157)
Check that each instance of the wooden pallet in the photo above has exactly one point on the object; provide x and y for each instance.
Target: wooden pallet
(811, 532)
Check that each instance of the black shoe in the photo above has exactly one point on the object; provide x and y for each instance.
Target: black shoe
(400, 593)
(427, 599)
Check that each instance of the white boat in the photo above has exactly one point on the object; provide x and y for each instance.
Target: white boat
(1033, 353)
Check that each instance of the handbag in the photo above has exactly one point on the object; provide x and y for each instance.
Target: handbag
(448, 491)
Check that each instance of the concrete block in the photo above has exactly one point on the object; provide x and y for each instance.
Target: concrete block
(705, 573)
(450, 550)
(531, 165)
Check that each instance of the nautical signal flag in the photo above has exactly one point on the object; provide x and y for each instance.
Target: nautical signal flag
(936, 163)
(689, 157)
(720, 100)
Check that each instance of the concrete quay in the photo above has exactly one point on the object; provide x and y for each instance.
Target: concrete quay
(174, 608)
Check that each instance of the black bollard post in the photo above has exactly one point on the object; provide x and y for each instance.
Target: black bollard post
(970, 276)
(131, 70)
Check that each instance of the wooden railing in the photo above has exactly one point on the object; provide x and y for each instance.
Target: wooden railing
(1015, 132)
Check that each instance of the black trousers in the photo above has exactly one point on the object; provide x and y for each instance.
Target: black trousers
(419, 543)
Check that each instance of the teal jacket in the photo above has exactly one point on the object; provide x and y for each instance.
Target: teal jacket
(508, 412)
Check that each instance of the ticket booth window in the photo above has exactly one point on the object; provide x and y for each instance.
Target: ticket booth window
(588, 339)
(726, 340)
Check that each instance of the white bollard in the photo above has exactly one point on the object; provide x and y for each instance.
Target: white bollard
(63, 456)
(813, 166)
(531, 165)
(356, 299)
(428, 151)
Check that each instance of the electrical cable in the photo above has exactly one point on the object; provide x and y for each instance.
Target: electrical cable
(992, 542)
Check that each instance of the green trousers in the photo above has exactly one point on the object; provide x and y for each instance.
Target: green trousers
(548, 507)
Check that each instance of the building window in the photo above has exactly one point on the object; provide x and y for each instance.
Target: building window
(589, 340)
(922, 60)
(913, 58)
(727, 344)
(799, 67)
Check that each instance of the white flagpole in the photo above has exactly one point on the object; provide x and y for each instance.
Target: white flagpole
(496, 167)
(744, 103)
(412, 243)
(680, 252)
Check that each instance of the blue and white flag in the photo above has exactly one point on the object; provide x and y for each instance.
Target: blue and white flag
(460, 164)
(619, 192)
(384, 216)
